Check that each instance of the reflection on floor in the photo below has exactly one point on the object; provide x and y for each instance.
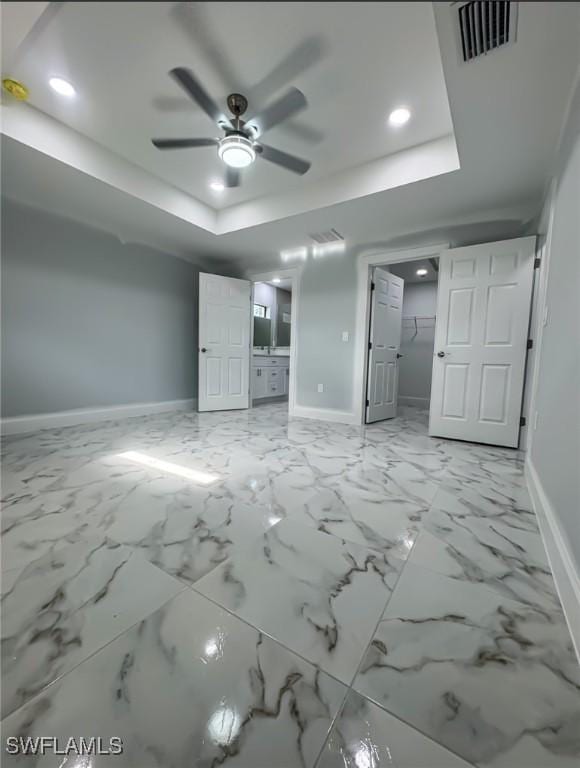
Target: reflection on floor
(234, 589)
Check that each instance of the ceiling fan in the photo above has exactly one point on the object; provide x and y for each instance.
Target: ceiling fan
(239, 147)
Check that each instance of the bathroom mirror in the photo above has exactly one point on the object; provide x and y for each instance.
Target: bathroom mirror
(272, 316)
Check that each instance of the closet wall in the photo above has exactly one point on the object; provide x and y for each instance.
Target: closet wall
(417, 340)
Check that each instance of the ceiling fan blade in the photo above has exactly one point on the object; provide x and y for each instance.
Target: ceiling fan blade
(290, 162)
(308, 53)
(290, 104)
(194, 22)
(232, 178)
(183, 143)
(198, 93)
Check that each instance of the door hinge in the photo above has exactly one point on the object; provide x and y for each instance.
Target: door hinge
(522, 421)
(367, 402)
(370, 344)
(372, 286)
(537, 262)
(530, 344)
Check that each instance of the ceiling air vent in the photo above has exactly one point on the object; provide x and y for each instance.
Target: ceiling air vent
(485, 25)
(332, 236)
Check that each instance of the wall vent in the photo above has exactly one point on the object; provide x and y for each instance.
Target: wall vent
(332, 236)
(485, 25)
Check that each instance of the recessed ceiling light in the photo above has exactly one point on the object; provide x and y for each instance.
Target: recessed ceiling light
(276, 280)
(217, 186)
(421, 272)
(63, 87)
(399, 116)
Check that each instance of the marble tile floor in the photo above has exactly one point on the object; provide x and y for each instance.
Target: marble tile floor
(269, 594)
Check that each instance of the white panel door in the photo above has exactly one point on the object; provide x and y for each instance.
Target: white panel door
(224, 343)
(481, 333)
(385, 341)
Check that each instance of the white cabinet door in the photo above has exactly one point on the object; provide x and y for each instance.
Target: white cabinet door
(385, 340)
(481, 332)
(224, 343)
(259, 383)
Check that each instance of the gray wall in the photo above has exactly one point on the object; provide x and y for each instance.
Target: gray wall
(415, 367)
(88, 321)
(555, 451)
(327, 308)
(265, 294)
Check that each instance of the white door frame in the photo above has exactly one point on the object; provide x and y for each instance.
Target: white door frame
(294, 273)
(365, 263)
(541, 282)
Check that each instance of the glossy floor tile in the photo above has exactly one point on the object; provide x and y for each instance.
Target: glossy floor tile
(488, 677)
(237, 589)
(68, 604)
(365, 736)
(189, 686)
(387, 524)
(318, 595)
(510, 560)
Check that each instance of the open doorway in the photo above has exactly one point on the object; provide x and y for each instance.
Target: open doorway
(401, 337)
(274, 303)
(480, 333)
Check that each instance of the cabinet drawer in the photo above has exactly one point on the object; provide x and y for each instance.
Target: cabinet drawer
(264, 362)
(267, 362)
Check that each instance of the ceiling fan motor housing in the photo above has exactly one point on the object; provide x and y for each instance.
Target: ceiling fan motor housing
(237, 104)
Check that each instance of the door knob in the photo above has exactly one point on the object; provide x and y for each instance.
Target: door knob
(203, 349)
(398, 355)
(440, 354)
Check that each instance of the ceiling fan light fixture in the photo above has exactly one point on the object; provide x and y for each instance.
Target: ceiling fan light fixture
(236, 151)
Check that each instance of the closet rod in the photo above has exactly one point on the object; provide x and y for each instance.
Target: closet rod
(414, 318)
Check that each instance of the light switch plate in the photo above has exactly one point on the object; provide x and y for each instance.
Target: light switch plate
(345, 335)
(321, 387)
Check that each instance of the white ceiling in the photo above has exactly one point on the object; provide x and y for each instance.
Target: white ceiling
(285, 283)
(507, 110)
(118, 55)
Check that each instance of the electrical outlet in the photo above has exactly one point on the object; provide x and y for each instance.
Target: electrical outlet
(321, 387)
(345, 335)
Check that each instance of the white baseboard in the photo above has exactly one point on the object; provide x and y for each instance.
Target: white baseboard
(420, 402)
(561, 559)
(17, 425)
(324, 414)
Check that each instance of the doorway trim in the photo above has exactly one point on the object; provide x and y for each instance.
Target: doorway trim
(294, 274)
(365, 263)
